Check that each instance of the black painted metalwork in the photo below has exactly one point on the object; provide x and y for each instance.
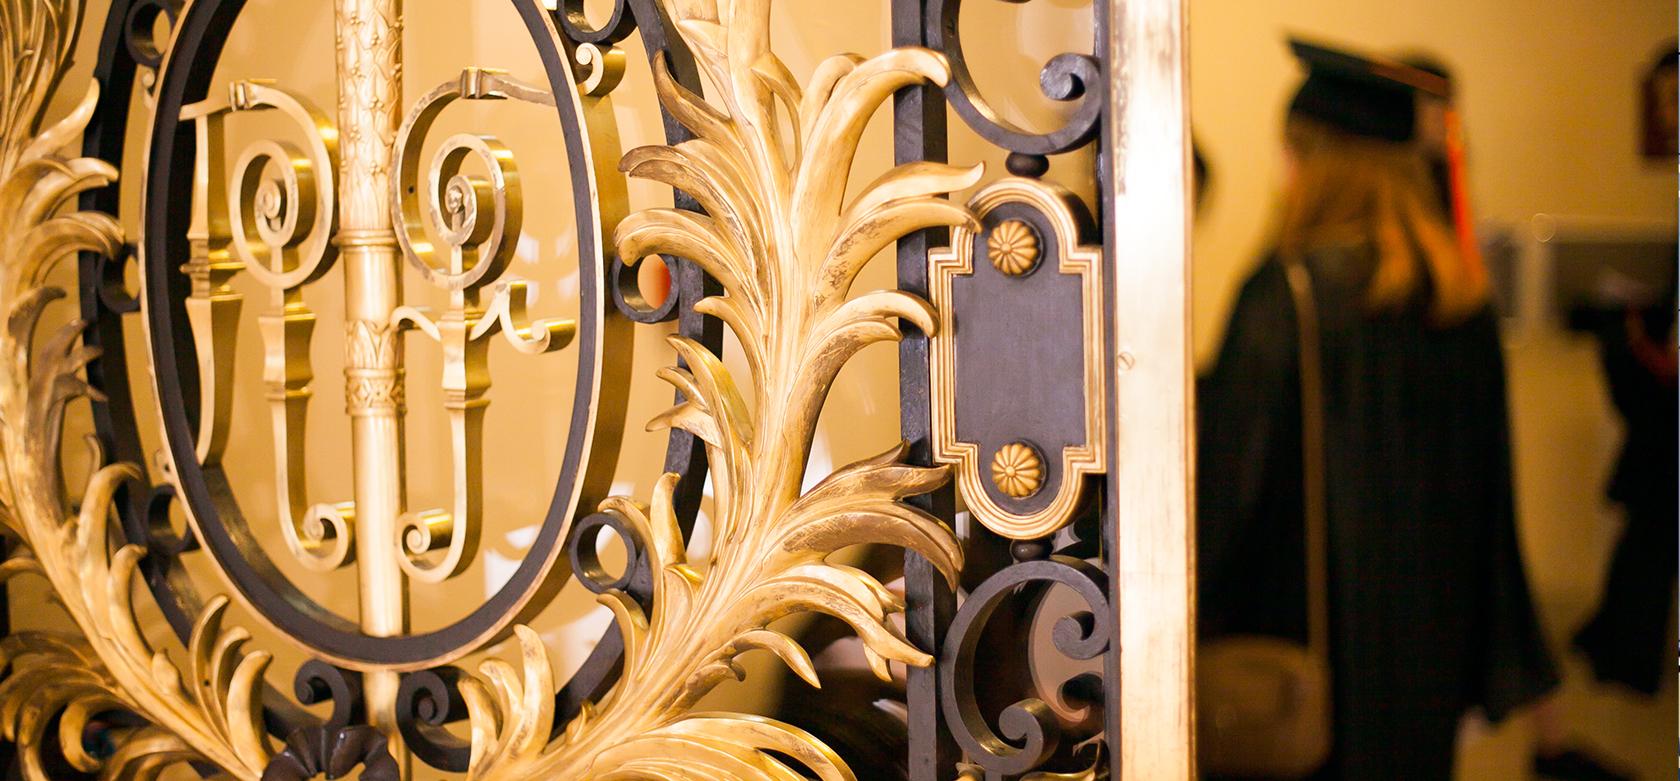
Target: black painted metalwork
(426, 701)
(1032, 734)
(919, 134)
(637, 577)
(1067, 77)
(1004, 583)
(334, 753)
(317, 682)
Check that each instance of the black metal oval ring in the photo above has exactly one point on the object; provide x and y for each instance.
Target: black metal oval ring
(185, 77)
(103, 302)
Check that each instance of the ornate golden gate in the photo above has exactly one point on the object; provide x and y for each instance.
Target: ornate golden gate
(1039, 498)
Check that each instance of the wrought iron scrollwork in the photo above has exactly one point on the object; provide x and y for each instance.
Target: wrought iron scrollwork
(1031, 481)
(426, 701)
(334, 753)
(1069, 77)
(636, 578)
(317, 682)
(1030, 731)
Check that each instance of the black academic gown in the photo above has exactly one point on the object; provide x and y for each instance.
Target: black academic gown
(1430, 609)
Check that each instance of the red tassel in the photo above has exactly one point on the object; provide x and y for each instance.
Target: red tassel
(1463, 223)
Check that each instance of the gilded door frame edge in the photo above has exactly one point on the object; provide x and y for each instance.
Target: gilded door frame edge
(1151, 487)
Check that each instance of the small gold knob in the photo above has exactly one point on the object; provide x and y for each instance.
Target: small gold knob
(1018, 470)
(1013, 247)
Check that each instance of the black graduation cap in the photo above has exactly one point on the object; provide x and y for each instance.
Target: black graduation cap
(1365, 96)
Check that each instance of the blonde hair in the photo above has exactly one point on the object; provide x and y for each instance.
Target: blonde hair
(1350, 190)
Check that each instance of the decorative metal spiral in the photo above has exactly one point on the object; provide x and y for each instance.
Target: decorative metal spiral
(317, 682)
(1030, 731)
(637, 577)
(426, 701)
(603, 68)
(421, 534)
(1067, 77)
(281, 204)
(145, 48)
(476, 219)
(574, 22)
(324, 539)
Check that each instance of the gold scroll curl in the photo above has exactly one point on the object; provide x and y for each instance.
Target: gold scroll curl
(460, 232)
(277, 223)
(600, 69)
(282, 208)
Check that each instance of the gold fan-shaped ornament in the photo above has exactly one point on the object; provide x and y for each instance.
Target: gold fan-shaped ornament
(1013, 247)
(1017, 470)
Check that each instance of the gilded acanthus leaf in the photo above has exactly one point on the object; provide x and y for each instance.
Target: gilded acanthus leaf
(206, 711)
(785, 244)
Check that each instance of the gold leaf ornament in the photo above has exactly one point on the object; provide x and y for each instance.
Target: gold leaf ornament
(785, 245)
(206, 709)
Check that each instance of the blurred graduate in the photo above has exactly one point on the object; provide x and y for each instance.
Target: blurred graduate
(1354, 473)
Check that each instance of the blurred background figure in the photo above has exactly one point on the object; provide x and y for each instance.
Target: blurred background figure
(1661, 96)
(1557, 106)
(1369, 295)
(1626, 640)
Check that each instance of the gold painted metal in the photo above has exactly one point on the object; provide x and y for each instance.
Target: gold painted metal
(276, 223)
(476, 223)
(212, 306)
(1013, 247)
(368, 42)
(1018, 470)
(204, 710)
(459, 222)
(1084, 261)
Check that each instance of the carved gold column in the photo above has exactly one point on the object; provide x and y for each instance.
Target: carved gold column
(369, 44)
